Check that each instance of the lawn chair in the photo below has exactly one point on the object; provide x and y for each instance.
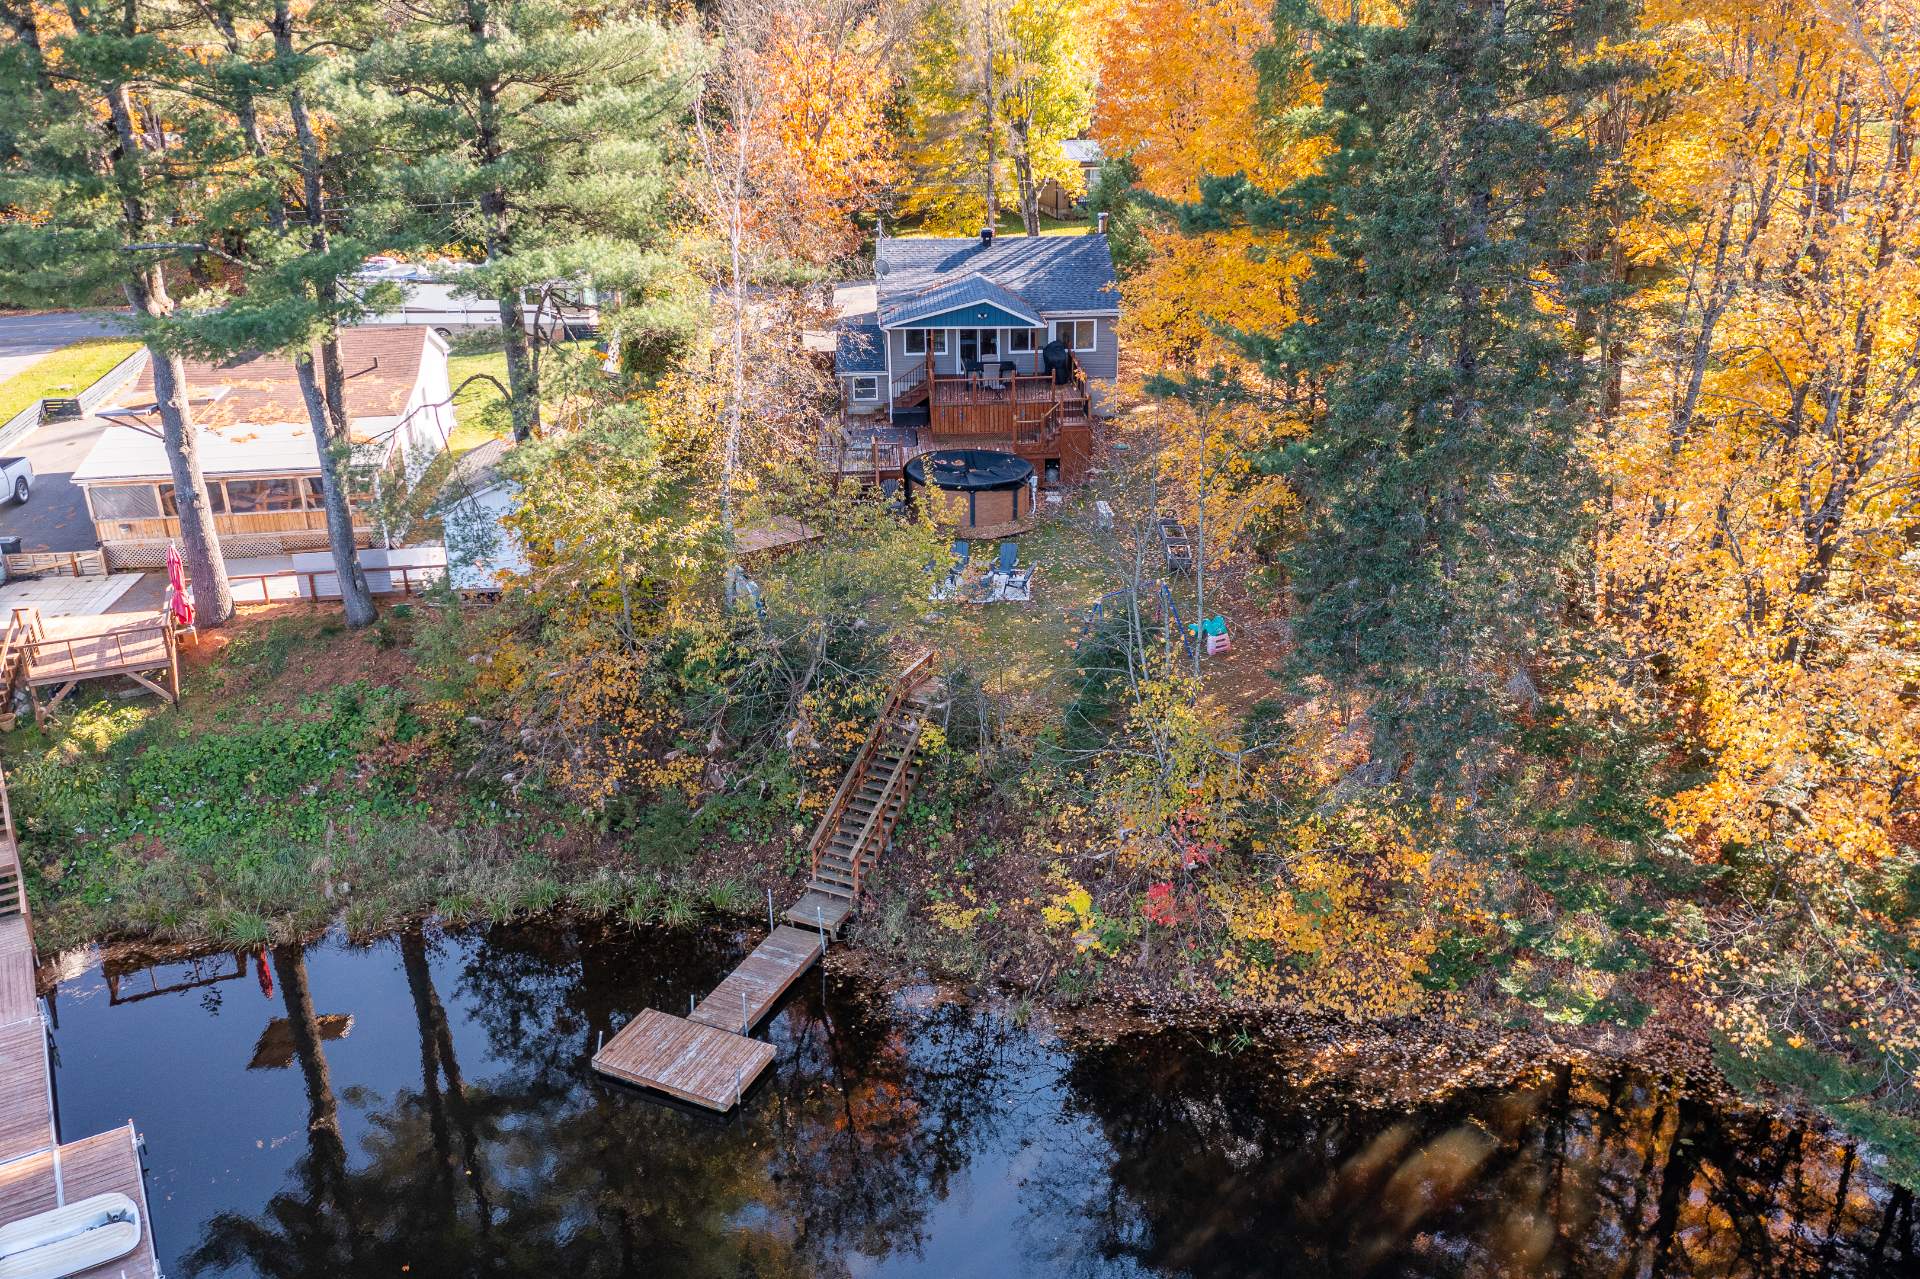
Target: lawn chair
(945, 588)
(1009, 556)
(1018, 588)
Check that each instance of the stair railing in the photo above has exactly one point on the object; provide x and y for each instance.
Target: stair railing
(900, 770)
(910, 679)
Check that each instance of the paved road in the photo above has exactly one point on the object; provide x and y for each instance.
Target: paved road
(55, 518)
(25, 338)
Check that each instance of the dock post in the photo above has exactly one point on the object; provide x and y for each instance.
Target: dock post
(736, 1085)
(743, 1012)
(599, 1042)
(820, 922)
(769, 910)
(689, 1003)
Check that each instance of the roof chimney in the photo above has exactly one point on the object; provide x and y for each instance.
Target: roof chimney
(986, 237)
(1100, 226)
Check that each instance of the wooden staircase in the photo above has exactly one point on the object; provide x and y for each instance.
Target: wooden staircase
(854, 829)
(13, 888)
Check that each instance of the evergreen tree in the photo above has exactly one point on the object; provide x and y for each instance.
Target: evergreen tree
(1441, 485)
(296, 288)
(105, 176)
(544, 134)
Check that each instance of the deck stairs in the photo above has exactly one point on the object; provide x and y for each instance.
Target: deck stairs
(855, 828)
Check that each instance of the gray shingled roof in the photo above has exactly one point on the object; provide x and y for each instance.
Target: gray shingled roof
(1051, 273)
(859, 345)
(972, 289)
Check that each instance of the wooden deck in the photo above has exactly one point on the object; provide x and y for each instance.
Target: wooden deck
(820, 912)
(685, 1059)
(36, 1172)
(61, 651)
(79, 1170)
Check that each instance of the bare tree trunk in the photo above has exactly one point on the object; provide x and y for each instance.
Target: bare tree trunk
(1023, 174)
(146, 289)
(326, 413)
(523, 376)
(727, 176)
(206, 562)
(989, 103)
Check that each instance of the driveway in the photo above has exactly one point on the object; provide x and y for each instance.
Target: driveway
(55, 517)
(25, 338)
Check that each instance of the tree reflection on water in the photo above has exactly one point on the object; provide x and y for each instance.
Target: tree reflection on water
(898, 1131)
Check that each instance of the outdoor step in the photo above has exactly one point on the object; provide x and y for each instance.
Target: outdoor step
(842, 891)
(828, 875)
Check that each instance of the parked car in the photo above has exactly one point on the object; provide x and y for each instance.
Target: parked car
(16, 479)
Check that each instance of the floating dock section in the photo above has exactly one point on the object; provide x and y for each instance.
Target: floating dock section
(709, 1057)
(38, 1173)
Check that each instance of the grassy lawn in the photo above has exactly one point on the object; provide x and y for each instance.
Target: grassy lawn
(63, 374)
(480, 411)
(1028, 648)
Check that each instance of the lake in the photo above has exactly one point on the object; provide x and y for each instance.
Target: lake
(422, 1106)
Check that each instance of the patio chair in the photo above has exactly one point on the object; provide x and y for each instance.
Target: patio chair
(1009, 556)
(1018, 588)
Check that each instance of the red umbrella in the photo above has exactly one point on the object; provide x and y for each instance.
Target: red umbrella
(177, 598)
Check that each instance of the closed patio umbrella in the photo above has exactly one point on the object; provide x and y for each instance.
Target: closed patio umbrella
(179, 602)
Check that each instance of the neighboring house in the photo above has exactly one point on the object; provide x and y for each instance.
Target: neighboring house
(482, 552)
(429, 299)
(257, 450)
(1004, 342)
(1055, 200)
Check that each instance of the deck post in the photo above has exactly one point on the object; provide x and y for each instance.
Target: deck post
(745, 1025)
(820, 922)
(769, 910)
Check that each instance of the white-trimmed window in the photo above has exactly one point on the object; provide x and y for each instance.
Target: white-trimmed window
(865, 389)
(1020, 340)
(917, 341)
(1078, 335)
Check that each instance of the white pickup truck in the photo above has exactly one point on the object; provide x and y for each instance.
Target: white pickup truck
(16, 479)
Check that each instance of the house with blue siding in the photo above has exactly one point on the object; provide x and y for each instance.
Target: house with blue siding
(1000, 342)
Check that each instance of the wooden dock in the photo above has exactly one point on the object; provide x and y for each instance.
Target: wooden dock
(696, 1063)
(751, 990)
(37, 1171)
(708, 1057)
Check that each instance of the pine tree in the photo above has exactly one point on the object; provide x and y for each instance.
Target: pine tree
(296, 292)
(106, 177)
(544, 134)
(1441, 483)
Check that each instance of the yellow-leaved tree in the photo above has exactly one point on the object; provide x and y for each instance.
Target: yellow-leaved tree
(1756, 560)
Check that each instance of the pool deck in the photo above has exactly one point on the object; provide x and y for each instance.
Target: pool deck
(37, 1171)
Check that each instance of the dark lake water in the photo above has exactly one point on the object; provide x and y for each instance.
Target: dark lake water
(422, 1106)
